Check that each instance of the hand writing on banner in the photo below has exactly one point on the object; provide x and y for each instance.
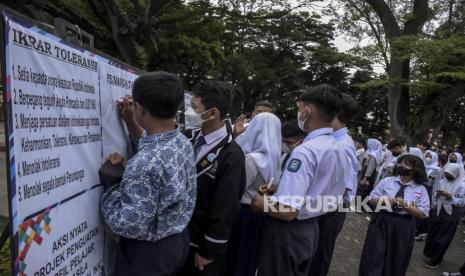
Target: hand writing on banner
(126, 109)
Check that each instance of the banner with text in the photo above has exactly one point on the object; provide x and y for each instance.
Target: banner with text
(63, 123)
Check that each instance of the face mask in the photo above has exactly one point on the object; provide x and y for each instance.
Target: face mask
(395, 154)
(194, 119)
(428, 160)
(449, 178)
(402, 171)
(453, 161)
(301, 122)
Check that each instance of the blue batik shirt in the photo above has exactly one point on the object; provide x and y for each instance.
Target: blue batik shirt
(156, 196)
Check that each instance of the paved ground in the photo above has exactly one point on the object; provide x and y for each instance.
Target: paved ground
(350, 243)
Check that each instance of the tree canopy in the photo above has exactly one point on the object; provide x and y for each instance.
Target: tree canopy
(271, 49)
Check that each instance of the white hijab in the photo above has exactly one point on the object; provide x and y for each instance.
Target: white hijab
(459, 158)
(458, 172)
(262, 141)
(375, 149)
(389, 160)
(434, 165)
(416, 152)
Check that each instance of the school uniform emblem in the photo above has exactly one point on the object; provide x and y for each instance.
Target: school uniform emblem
(294, 165)
(211, 157)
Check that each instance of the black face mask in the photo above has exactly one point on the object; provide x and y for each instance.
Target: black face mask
(395, 154)
(450, 178)
(453, 161)
(402, 171)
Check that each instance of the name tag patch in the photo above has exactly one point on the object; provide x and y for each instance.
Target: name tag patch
(294, 165)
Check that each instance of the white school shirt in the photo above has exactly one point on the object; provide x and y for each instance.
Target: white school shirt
(212, 140)
(253, 180)
(414, 192)
(351, 164)
(311, 172)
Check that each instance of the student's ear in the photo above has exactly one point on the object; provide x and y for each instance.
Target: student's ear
(215, 113)
(306, 112)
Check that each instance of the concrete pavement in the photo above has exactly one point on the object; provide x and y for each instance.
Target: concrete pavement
(350, 242)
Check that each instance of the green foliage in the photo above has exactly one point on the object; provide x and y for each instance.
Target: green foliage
(5, 261)
(435, 81)
(269, 49)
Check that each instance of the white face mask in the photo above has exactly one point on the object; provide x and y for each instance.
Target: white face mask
(193, 119)
(428, 160)
(301, 122)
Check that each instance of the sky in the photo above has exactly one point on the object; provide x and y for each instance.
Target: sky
(340, 42)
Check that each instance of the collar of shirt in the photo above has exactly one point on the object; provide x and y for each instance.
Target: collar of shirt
(411, 183)
(341, 132)
(150, 139)
(319, 132)
(215, 136)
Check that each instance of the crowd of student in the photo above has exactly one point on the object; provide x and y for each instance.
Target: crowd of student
(443, 180)
(245, 199)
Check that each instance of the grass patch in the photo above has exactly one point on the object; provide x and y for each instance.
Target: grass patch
(5, 261)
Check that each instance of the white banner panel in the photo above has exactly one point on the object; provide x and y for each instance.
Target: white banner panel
(63, 123)
(115, 83)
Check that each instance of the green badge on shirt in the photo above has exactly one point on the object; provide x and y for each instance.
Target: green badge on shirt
(294, 165)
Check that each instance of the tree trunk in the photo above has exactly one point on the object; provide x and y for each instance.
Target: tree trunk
(398, 95)
(398, 99)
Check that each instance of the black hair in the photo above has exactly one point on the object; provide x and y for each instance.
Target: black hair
(214, 94)
(326, 98)
(394, 144)
(265, 104)
(292, 129)
(443, 159)
(426, 144)
(361, 139)
(418, 166)
(349, 109)
(160, 93)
